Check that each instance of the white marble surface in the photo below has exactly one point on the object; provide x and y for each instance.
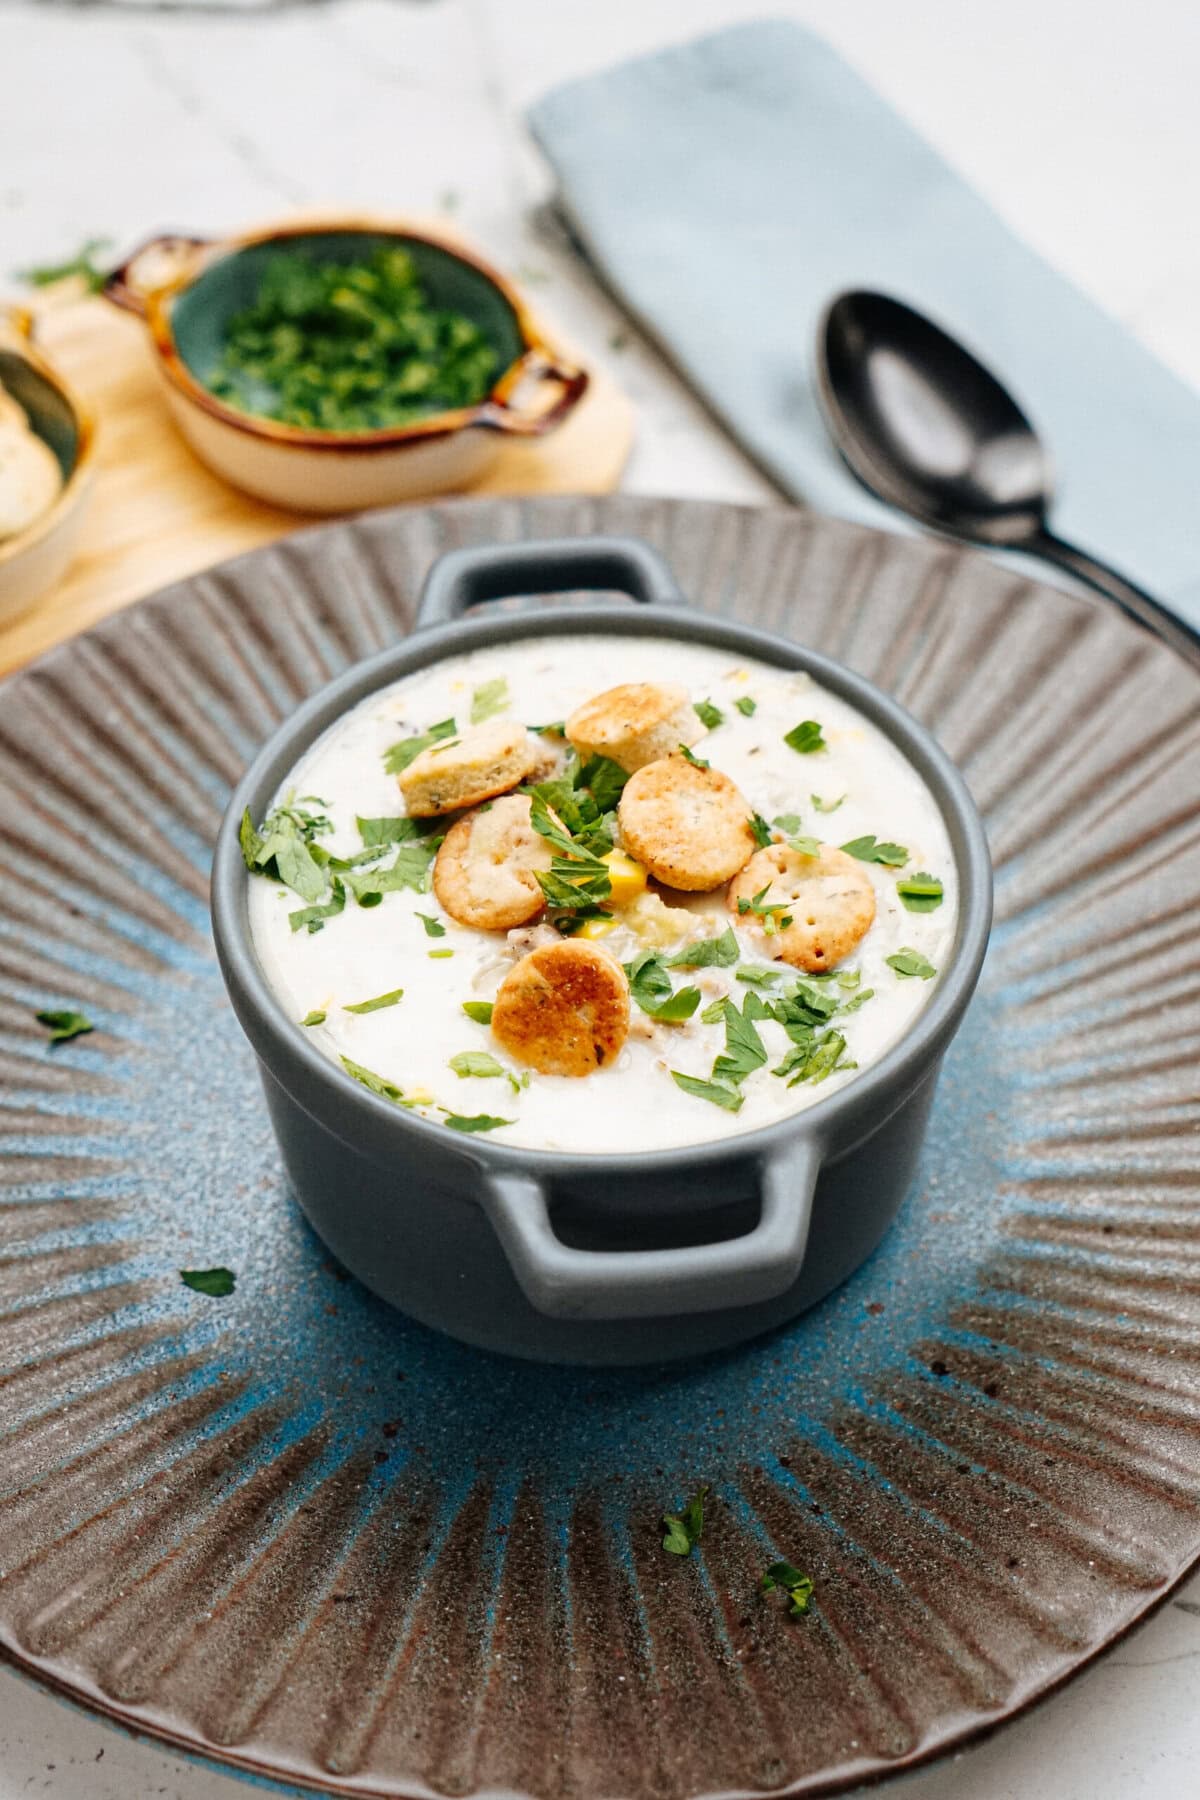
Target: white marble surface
(1078, 122)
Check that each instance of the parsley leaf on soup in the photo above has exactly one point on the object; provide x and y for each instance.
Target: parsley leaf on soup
(684, 1530)
(711, 952)
(433, 927)
(378, 1003)
(697, 762)
(282, 846)
(746, 706)
(316, 1017)
(479, 1010)
(870, 850)
(744, 1049)
(313, 918)
(719, 1092)
(826, 806)
(216, 1283)
(708, 714)
(650, 985)
(64, 1024)
(489, 698)
(760, 830)
(921, 892)
(805, 737)
(911, 963)
(377, 1083)
(397, 757)
(477, 1062)
(473, 1121)
(788, 823)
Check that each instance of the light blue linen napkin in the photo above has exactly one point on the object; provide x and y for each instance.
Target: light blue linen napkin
(727, 188)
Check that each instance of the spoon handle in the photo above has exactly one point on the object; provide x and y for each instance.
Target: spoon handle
(1133, 601)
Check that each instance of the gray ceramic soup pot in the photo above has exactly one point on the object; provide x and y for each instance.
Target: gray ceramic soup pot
(593, 1258)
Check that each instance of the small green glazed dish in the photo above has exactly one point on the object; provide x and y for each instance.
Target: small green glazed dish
(189, 291)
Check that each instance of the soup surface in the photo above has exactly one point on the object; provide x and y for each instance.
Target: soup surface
(724, 1031)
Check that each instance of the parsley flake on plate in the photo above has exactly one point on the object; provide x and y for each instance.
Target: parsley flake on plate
(489, 698)
(64, 1024)
(378, 1003)
(910, 962)
(796, 1585)
(708, 714)
(684, 1530)
(870, 850)
(805, 737)
(216, 1283)
(921, 892)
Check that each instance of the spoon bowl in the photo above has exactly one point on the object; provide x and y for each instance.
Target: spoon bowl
(929, 430)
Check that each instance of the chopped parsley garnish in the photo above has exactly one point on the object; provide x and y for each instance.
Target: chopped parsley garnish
(605, 780)
(489, 698)
(439, 955)
(803, 846)
(920, 893)
(684, 1531)
(578, 878)
(477, 1062)
(805, 737)
(218, 1284)
(773, 913)
(754, 976)
(714, 1012)
(312, 918)
(815, 1060)
(760, 830)
(282, 847)
(398, 756)
(378, 1004)
(746, 706)
(826, 806)
(479, 1010)
(650, 986)
(317, 1017)
(557, 729)
(82, 265)
(64, 1024)
(409, 868)
(353, 344)
(708, 714)
(376, 1083)
(788, 823)
(860, 999)
(797, 1586)
(744, 1049)
(709, 953)
(910, 962)
(869, 850)
(717, 1091)
(433, 927)
(379, 834)
(697, 762)
(473, 1122)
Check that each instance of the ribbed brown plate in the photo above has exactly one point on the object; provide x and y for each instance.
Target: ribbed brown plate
(295, 1532)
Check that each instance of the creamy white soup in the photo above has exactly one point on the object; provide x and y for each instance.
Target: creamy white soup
(387, 982)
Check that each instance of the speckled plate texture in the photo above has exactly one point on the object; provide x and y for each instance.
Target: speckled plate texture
(293, 1531)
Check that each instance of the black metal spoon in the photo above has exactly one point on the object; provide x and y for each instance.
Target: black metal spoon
(929, 430)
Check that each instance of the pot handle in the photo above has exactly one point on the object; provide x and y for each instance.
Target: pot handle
(567, 1283)
(167, 254)
(463, 578)
(543, 367)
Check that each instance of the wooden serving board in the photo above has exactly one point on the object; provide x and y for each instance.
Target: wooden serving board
(156, 513)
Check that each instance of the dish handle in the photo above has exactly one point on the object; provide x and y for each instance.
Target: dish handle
(157, 264)
(568, 1283)
(464, 578)
(538, 366)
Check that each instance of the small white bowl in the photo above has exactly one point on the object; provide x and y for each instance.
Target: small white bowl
(35, 559)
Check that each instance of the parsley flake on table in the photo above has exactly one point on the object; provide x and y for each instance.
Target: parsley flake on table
(746, 706)
(479, 1010)
(920, 893)
(708, 714)
(908, 962)
(216, 1283)
(397, 757)
(684, 1530)
(870, 850)
(796, 1585)
(378, 1003)
(64, 1023)
(805, 737)
(489, 698)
